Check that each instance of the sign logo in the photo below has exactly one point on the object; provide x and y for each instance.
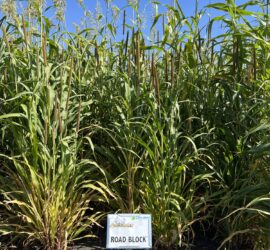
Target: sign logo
(129, 231)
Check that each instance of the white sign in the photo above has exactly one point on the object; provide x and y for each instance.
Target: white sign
(129, 231)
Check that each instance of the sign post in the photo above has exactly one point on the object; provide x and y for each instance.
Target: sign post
(129, 231)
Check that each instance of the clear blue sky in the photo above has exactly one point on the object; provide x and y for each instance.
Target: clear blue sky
(74, 12)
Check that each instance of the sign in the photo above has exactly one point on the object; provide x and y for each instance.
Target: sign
(129, 231)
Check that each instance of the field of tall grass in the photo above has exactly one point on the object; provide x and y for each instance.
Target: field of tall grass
(104, 120)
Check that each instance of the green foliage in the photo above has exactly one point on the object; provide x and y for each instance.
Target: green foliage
(49, 180)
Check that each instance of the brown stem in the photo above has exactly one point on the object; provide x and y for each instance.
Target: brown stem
(172, 69)
(44, 49)
(138, 56)
(254, 63)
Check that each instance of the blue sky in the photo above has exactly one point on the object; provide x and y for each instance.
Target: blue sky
(74, 12)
